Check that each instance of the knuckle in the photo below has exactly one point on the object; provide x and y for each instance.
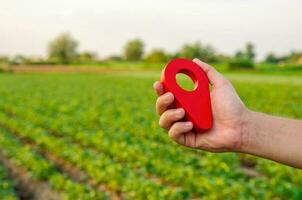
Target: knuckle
(177, 127)
(158, 101)
(159, 106)
(162, 102)
(161, 123)
(170, 114)
(171, 133)
(175, 130)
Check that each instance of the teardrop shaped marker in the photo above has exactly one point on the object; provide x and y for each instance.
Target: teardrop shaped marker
(196, 103)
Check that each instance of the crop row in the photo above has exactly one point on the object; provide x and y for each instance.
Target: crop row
(114, 116)
(6, 185)
(98, 166)
(129, 144)
(41, 169)
(194, 181)
(131, 140)
(99, 142)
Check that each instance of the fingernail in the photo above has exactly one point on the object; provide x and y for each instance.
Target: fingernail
(188, 124)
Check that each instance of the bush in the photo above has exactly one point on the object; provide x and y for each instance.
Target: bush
(240, 63)
(63, 49)
(197, 50)
(134, 50)
(114, 58)
(156, 56)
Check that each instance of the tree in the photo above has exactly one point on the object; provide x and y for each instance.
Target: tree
(197, 50)
(18, 60)
(250, 51)
(4, 59)
(247, 53)
(63, 49)
(157, 56)
(134, 50)
(114, 58)
(239, 54)
(87, 56)
(271, 58)
(243, 58)
(294, 57)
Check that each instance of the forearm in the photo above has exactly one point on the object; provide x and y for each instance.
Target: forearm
(274, 138)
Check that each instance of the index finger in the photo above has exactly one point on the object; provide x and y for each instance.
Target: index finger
(158, 87)
(214, 76)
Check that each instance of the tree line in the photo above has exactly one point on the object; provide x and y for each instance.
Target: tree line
(64, 50)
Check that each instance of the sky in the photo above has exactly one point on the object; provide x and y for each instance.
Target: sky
(104, 27)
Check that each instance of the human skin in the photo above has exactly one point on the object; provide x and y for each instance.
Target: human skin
(235, 127)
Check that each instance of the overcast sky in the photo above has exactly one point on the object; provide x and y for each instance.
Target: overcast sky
(26, 26)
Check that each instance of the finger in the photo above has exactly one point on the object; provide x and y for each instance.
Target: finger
(158, 87)
(171, 116)
(178, 131)
(163, 102)
(215, 78)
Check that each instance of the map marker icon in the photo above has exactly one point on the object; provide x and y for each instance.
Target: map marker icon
(196, 103)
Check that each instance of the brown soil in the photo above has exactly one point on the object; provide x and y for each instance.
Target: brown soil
(25, 187)
(78, 175)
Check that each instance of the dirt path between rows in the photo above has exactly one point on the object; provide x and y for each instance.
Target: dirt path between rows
(26, 187)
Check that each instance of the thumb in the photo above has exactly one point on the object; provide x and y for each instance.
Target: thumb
(215, 78)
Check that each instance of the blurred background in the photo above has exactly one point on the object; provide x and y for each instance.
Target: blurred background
(77, 117)
(101, 32)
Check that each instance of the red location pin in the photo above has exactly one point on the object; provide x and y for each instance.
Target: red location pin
(196, 103)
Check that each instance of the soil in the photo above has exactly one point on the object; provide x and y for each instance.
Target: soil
(25, 186)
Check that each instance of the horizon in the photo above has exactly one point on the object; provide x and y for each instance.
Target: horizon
(104, 27)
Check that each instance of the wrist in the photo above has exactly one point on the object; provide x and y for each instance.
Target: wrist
(246, 131)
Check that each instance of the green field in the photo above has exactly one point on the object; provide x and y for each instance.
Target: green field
(96, 136)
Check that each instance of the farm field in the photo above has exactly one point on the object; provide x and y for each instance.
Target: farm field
(96, 136)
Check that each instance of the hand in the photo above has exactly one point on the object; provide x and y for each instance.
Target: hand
(229, 116)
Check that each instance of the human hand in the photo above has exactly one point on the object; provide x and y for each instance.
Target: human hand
(229, 116)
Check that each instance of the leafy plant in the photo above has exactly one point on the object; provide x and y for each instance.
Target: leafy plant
(107, 127)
